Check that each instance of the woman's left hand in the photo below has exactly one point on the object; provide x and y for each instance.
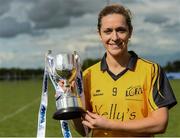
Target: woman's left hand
(95, 121)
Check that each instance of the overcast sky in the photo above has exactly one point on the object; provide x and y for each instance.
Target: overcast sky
(28, 28)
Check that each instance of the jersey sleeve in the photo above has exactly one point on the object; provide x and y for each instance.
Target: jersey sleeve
(162, 93)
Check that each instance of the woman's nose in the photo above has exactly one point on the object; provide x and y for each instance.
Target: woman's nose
(114, 36)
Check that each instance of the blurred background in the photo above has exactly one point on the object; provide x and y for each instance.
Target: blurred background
(29, 28)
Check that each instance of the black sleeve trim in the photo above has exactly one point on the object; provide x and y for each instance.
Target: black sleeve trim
(162, 92)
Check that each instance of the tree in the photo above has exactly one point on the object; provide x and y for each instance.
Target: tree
(89, 62)
(173, 66)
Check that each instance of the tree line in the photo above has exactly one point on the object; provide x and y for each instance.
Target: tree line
(26, 74)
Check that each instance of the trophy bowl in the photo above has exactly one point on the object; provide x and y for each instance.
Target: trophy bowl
(64, 68)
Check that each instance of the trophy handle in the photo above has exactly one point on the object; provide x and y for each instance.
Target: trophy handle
(79, 78)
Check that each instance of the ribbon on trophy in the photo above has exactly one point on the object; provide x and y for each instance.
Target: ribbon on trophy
(49, 73)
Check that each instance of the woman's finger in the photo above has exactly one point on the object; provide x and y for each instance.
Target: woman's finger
(88, 118)
(88, 124)
(92, 115)
(61, 83)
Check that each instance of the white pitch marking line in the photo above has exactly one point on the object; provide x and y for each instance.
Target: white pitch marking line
(18, 111)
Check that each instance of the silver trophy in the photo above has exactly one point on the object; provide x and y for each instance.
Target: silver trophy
(64, 70)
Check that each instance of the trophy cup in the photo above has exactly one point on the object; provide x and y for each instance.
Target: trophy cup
(63, 70)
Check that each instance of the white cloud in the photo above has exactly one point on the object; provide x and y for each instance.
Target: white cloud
(6, 58)
(156, 29)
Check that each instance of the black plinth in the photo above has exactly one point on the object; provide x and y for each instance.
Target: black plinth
(68, 113)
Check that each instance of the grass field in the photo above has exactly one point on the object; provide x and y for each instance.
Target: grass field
(19, 105)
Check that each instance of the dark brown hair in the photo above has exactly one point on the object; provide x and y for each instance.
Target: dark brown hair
(117, 9)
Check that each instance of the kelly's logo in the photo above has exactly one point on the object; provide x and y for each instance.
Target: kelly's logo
(133, 91)
(98, 93)
(113, 113)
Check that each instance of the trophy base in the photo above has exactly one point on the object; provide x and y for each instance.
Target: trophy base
(68, 113)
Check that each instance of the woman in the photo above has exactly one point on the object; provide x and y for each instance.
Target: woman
(125, 95)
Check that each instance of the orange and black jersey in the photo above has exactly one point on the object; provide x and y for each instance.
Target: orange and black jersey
(132, 94)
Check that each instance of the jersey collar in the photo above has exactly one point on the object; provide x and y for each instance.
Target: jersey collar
(131, 64)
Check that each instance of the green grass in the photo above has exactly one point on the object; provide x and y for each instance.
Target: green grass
(174, 113)
(19, 105)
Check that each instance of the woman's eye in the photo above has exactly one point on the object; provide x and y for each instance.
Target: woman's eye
(108, 31)
(122, 30)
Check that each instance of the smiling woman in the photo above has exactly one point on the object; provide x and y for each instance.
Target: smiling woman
(125, 95)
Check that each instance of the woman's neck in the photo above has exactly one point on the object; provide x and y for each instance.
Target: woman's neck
(117, 64)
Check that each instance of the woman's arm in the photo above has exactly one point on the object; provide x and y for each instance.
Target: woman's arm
(155, 123)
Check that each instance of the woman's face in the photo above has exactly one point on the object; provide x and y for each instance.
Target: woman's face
(114, 33)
